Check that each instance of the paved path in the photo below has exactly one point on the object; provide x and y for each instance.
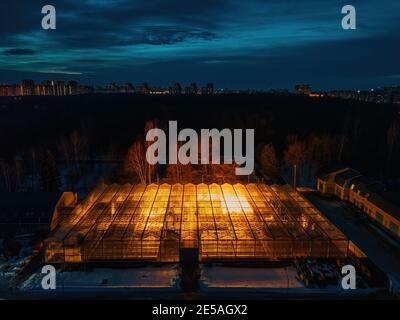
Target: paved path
(376, 247)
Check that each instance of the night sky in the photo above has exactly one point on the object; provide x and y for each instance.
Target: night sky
(233, 43)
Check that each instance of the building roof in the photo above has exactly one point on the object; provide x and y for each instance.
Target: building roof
(190, 214)
(325, 172)
(388, 202)
(364, 185)
(345, 176)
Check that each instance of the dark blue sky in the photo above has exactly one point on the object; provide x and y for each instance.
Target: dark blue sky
(233, 43)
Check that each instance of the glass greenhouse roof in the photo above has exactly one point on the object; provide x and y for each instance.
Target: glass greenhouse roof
(223, 221)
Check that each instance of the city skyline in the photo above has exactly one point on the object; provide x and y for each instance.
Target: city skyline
(27, 87)
(183, 84)
(256, 45)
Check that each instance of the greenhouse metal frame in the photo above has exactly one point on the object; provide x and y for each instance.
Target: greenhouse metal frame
(153, 222)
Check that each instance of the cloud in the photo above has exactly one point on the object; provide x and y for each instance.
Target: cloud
(157, 35)
(257, 42)
(19, 52)
(60, 70)
(91, 60)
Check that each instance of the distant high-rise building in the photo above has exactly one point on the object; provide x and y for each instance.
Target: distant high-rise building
(130, 88)
(39, 90)
(303, 89)
(145, 88)
(59, 88)
(10, 90)
(210, 88)
(27, 87)
(113, 87)
(48, 88)
(72, 87)
(193, 88)
(177, 88)
(4, 91)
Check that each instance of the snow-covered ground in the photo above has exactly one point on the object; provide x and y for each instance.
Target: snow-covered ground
(10, 268)
(151, 277)
(242, 277)
(220, 279)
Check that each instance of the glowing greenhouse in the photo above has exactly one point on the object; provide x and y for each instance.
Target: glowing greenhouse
(224, 222)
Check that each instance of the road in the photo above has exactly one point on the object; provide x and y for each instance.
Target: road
(374, 245)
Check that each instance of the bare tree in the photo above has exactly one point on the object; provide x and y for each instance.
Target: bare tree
(224, 173)
(322, 149)
(148, 126)
(295, 153)
(268, 160)
(135, 161)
